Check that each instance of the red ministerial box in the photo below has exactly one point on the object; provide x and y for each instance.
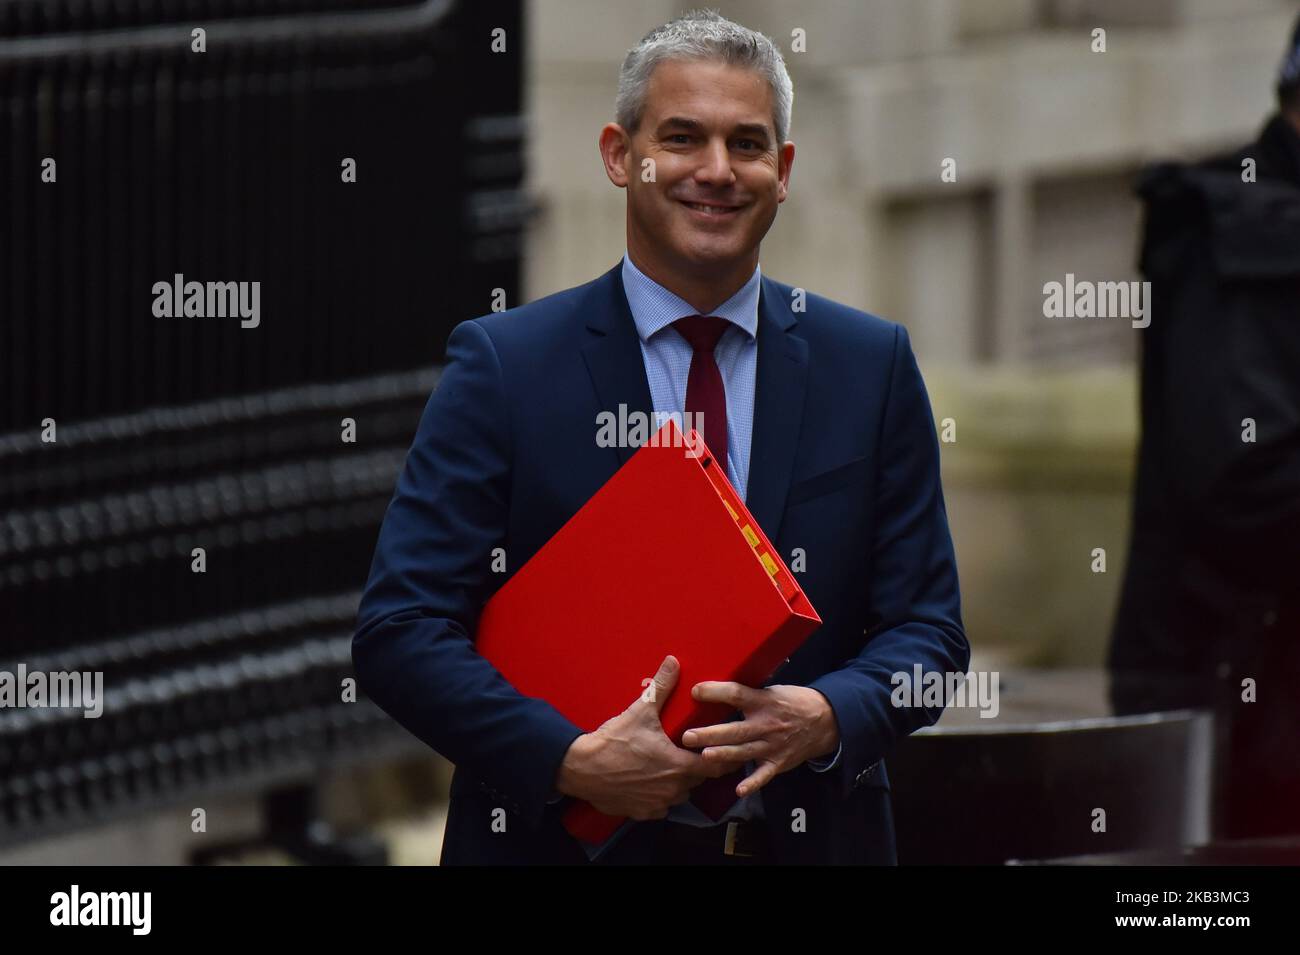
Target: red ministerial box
(663, 559)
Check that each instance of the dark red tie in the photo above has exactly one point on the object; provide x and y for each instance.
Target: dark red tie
(707, 396)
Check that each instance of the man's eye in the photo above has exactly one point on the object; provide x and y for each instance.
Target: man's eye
(753, 143)
(682, 136)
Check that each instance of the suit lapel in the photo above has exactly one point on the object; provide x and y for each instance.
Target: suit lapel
(613, 354)
(782, 379)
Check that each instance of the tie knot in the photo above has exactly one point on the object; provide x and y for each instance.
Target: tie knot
(702, 331)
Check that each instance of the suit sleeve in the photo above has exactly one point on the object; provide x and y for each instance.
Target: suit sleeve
(413, 649)
(913, 585)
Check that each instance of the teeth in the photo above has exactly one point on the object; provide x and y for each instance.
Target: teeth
(713, 209)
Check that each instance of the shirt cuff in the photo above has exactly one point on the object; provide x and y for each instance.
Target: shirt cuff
(819, 765)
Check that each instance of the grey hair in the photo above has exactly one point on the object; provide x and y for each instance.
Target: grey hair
(703, 35)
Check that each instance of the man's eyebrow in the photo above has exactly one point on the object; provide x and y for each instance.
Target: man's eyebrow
(757, 130)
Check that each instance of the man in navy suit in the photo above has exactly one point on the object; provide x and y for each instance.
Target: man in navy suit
(823, 421)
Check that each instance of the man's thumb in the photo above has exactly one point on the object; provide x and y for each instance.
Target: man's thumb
(658, 689)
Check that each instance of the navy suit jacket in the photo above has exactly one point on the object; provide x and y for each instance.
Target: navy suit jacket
(844, 465)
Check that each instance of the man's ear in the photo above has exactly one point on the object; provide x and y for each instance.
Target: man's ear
(786, 161)
(615, 147)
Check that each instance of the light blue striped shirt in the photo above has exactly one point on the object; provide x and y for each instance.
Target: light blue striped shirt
(667, 357)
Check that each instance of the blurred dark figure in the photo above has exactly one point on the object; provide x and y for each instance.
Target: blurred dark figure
(1212, 592)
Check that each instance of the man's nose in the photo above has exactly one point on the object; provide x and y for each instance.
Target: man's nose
(715, 163)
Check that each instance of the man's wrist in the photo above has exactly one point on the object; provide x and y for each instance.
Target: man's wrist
(823, 764)
(566, 777)
(830, 730)
(825, 760)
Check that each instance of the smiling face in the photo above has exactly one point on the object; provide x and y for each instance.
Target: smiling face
(719, 173)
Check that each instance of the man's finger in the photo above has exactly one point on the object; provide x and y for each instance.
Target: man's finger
(756, 780)
(741, 753)
(660, 686)
(736, 695)
(714, 768)
(733, 731)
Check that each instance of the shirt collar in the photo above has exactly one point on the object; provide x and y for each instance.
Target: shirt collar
(654, 308)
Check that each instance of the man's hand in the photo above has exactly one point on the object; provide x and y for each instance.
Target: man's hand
(629, 766)
(784, 726)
